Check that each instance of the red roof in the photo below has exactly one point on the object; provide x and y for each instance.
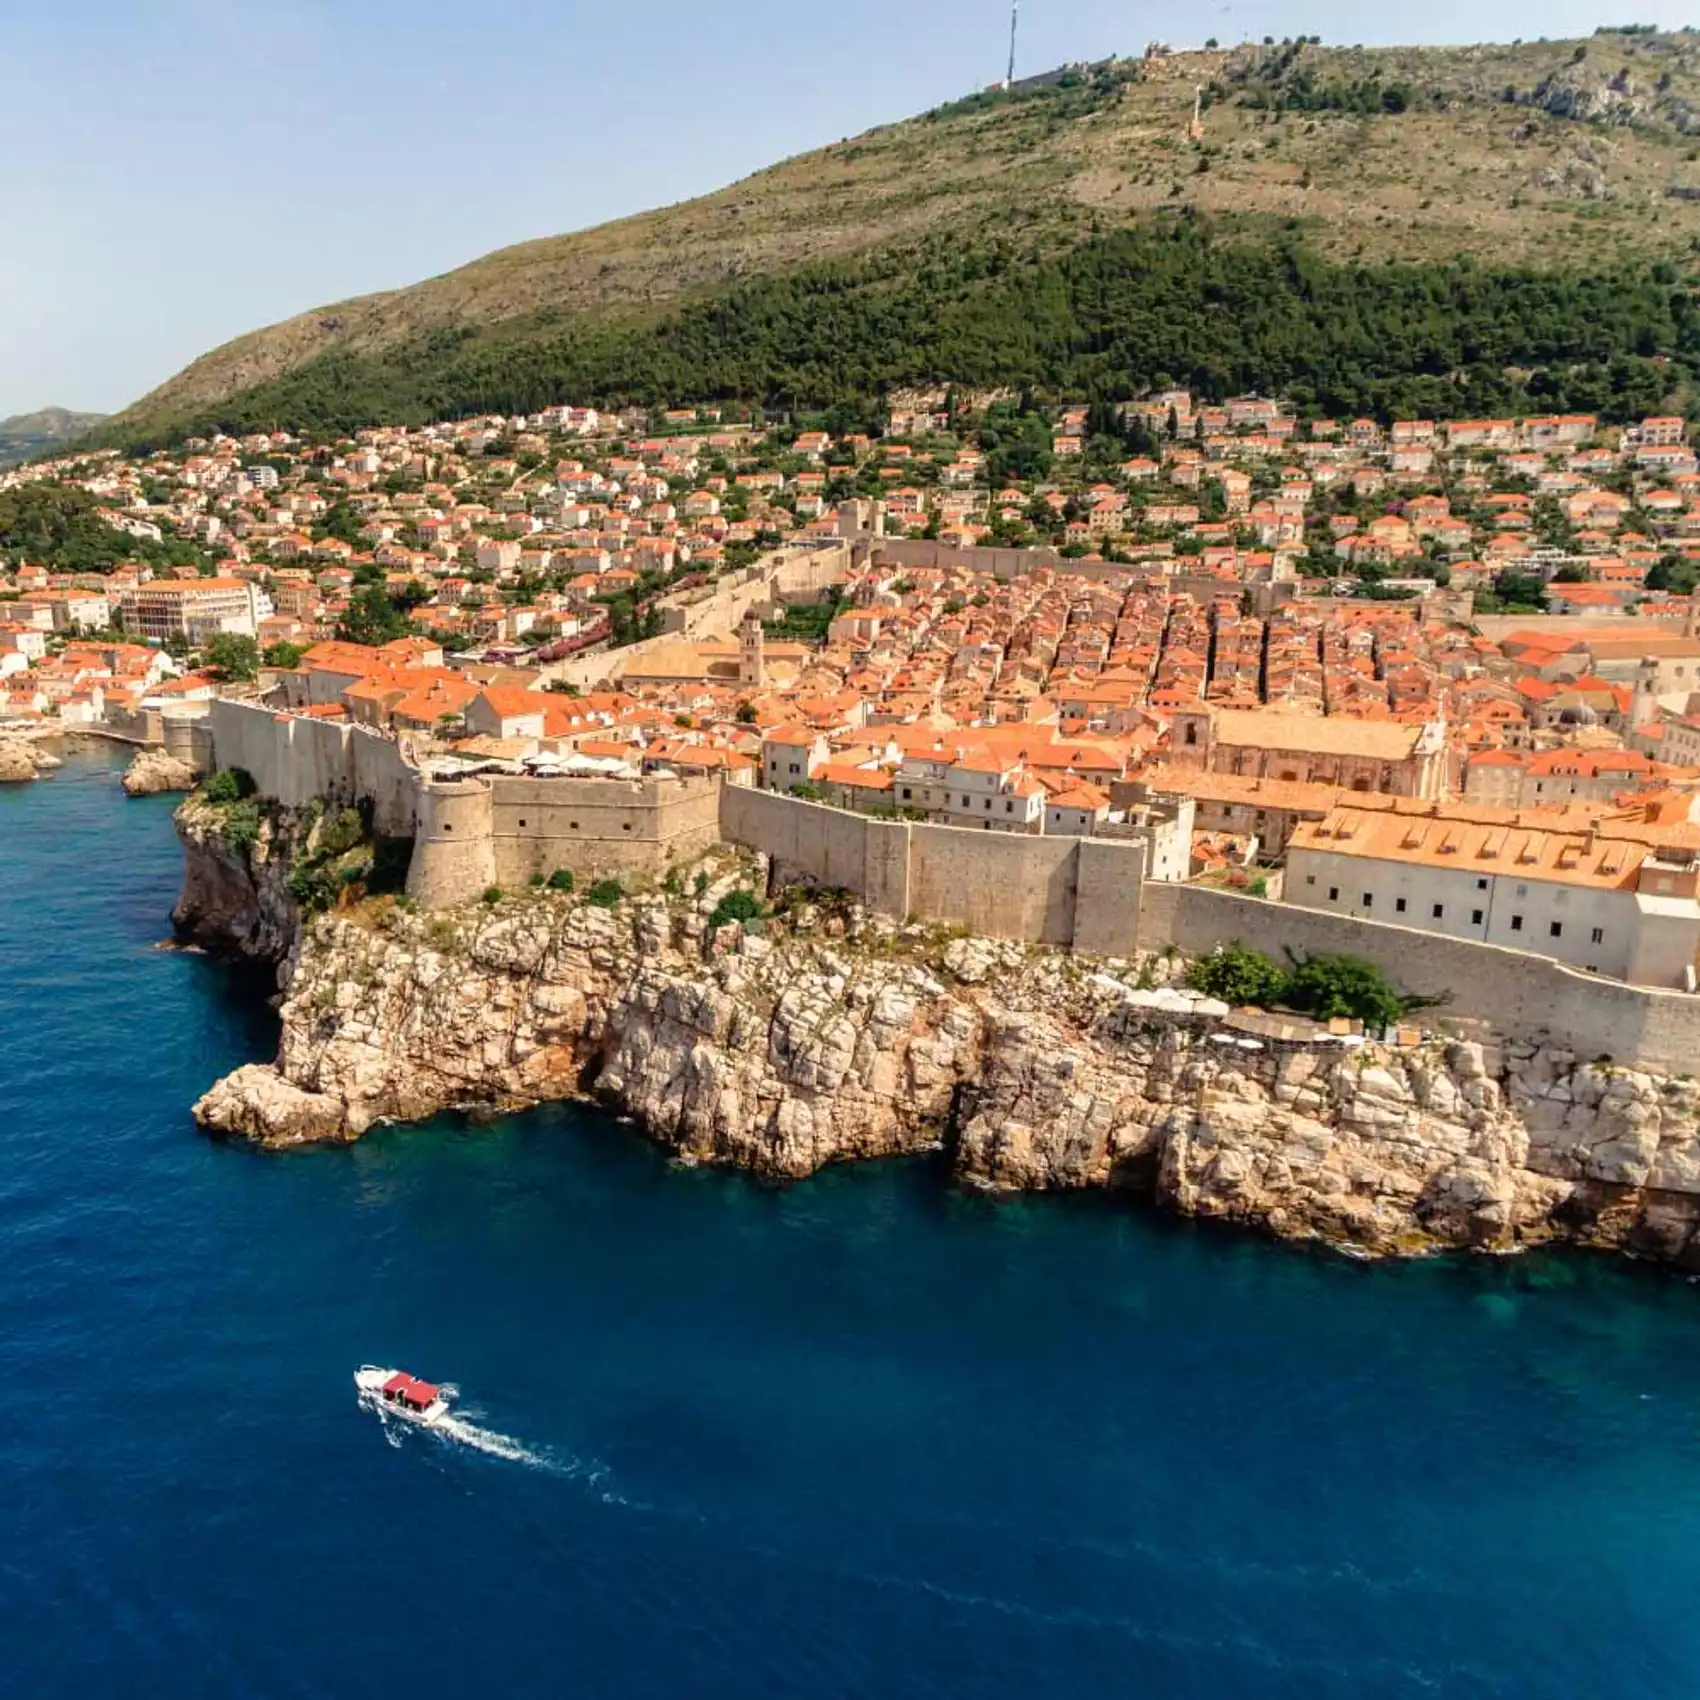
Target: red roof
(417, 1393)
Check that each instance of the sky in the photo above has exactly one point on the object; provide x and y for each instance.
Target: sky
(176, 172)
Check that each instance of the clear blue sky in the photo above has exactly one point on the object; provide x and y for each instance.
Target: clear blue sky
(176, 172)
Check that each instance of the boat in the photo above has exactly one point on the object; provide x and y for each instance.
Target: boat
(402, 1395)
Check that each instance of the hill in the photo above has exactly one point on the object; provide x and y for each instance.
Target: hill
(27, 434)
(1370, 225)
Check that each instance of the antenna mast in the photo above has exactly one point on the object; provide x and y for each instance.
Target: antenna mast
(1014, 21)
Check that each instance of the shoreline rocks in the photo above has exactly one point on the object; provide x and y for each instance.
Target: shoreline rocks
(22, 760)
(844, 1038)
(155, 771)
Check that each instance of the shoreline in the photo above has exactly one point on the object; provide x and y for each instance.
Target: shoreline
(834, 1036)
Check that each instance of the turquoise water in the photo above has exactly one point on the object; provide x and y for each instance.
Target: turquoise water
(861, 1437)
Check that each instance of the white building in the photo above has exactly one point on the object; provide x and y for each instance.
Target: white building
(1611, 892)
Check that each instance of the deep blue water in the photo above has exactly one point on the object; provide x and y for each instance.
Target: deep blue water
(861, 1437)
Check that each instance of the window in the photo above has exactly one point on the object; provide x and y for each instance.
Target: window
(1192, 734)
(1369, 900)
(968, 802)
(1481, 885)
(1398, 906)
(988, 805)
(1310, 879)
(1475, 917)
(1333, 894)
(906, 793)
(627, 827)
(448, 826)
(1516, 923)
(1599, 936)
(522, 823)
(795, 768)
(1440, 911)
(1009, 808)
(1558, 929)
(1522, 891)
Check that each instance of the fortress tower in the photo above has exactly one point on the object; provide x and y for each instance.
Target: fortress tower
(752, 661)
(454, 851)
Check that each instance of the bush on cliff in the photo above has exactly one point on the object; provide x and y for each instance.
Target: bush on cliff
(1325, 987)
(561, 880)
(1238, 975)
(228, 785)
(736, 907)
(605, 894)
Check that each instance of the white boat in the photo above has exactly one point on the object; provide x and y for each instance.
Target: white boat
(402, 1395)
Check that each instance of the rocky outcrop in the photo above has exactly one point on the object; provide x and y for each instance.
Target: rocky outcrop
(21, 761)
(236, 899)
(825, 1040)
(155, 771)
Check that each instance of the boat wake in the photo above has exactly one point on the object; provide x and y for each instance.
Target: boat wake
(460, 1431)
(494, 1445)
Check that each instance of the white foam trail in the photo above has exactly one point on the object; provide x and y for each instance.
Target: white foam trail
(496, 1445)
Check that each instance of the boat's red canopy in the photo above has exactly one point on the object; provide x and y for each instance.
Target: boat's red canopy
(420, 1393)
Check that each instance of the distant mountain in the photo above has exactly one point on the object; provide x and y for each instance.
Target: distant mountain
(1433, 228)
(27, 434)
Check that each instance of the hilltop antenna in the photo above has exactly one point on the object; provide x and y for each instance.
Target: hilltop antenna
(1014, 22)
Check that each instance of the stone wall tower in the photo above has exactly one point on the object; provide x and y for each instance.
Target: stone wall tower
(752, 659)
(454, 846)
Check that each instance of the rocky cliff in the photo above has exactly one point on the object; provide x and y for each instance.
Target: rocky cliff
(830, 1037)
(236, 899)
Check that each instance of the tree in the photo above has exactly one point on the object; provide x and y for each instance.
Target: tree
(1328, 987)
(1238, 975)
(284, 654)
(231, 655)
(372, 618)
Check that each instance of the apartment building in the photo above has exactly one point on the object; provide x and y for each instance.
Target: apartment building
(195, 608)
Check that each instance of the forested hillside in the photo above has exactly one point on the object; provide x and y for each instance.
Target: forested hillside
(1488, 227)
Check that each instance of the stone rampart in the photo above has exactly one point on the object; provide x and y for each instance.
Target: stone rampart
(1063, 891)
(1510, 992)
(598, 827)
(454, 857)
(296, 760)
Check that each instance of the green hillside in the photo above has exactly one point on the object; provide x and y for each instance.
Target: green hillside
(1438, 228)
(27, 434)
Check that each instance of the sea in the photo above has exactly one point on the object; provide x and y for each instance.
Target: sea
(862, 1438)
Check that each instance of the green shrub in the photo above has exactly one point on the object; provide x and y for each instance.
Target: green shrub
(561, 880)
(700, 884)
(341, 834)
(740, 906)
(673, 885)
(1326, 987)
(536, 880)
(228, 785)
(242, 826)
(492, 894)
(1238, 975)
(605, 894)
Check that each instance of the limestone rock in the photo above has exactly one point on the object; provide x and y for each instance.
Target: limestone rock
(19, 761)
(787, 1052)
(155, 771)
(257, 1104)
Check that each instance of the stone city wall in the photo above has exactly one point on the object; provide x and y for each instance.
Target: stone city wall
(1510, 992)
(296, 760)
(1063, 891)
(598, 827)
